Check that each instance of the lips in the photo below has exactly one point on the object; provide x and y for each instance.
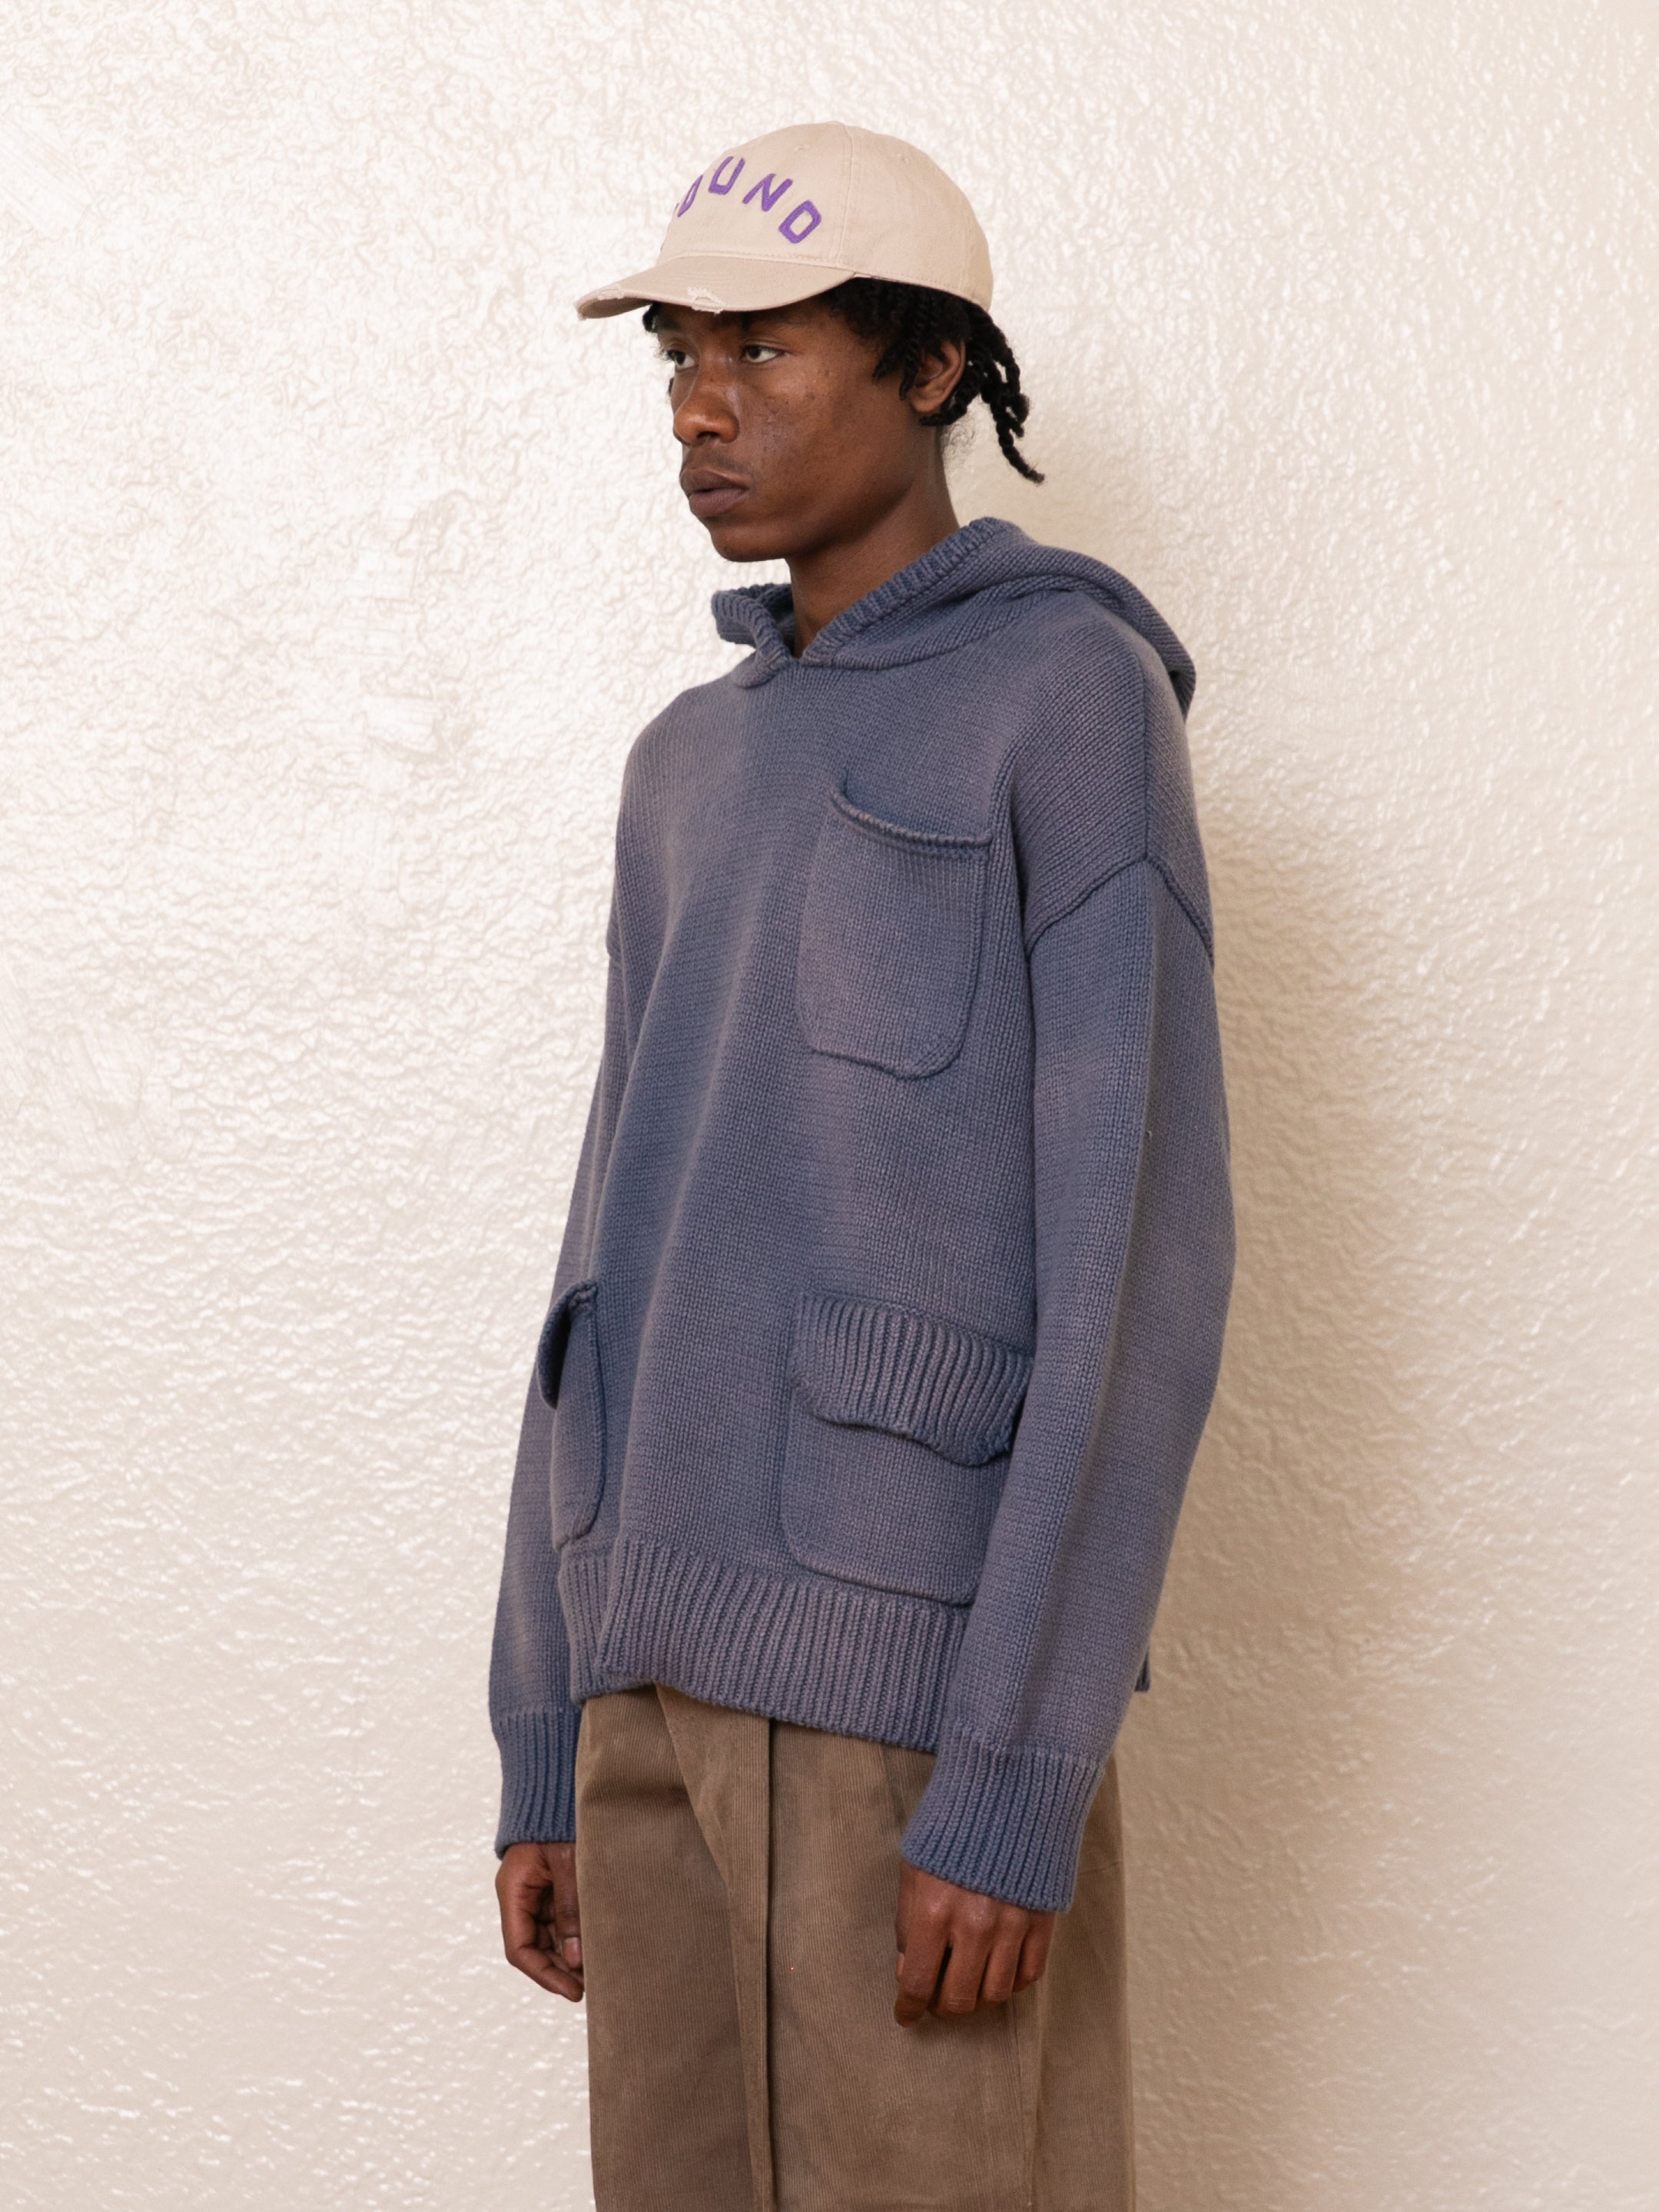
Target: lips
(709, 493)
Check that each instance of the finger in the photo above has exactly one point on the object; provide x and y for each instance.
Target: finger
(908, 1906)
(1002, 1967)
(1033, 1952)
(548, 1939)
(964, 1969)
(566, 1913)
(520, 1896)
(545, 1970)
(917, 1967)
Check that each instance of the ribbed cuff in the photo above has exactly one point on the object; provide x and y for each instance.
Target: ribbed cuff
(539, 1777)
(1009, 1823)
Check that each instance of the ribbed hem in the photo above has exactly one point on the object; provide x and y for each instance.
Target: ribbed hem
(584, 1593)
(821, 1654)
(539, 1777)
(824, 1655)
(1009, 1823)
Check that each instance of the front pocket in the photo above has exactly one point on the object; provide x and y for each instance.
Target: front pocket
(568, 1373)
(900, 1428)
(888, 941)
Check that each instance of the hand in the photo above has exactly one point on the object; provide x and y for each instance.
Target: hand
(541, 1927)
(960, 1951)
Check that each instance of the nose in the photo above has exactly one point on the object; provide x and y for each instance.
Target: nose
(704, 411)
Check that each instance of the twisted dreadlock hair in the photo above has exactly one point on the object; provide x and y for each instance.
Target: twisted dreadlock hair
(912, 322)
(916, 321)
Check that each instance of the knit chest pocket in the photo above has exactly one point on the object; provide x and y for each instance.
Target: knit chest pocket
(569, 1375)
(900, 1428)
(890, 940)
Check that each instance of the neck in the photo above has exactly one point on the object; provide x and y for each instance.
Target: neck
(836, 574)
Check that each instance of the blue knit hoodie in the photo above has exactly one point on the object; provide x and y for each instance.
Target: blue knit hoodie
(891, 1298)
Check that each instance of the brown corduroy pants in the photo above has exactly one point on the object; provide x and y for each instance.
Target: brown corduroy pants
(737, 1879)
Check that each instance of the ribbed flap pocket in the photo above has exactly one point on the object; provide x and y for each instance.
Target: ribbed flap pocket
(887, 1367)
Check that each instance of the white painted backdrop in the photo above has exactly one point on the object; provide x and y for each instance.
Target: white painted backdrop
(341, 565)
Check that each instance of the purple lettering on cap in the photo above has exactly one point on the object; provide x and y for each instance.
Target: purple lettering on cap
(767, 200)
(788, 225)
(714, 184)
(689, 197)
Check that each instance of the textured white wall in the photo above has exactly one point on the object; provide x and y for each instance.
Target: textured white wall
(341, 565)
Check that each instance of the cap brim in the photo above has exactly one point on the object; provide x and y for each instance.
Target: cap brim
(715, 284)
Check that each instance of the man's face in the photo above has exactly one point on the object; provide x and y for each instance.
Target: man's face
(787, 442)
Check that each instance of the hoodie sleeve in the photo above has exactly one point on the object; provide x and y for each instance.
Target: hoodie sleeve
(531, 1709)
(1133, 1233)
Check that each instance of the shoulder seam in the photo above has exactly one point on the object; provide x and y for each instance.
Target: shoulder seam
(1140, 861)
(1180, 897)
(1146, 761)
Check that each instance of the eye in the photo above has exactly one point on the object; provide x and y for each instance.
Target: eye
(758, 349)
(673, 356)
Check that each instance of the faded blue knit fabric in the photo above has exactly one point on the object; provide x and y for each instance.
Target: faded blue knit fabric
(891, 1300)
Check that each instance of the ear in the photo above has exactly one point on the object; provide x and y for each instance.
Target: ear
(941, 372)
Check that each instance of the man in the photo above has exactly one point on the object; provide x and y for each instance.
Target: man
(890, 1301)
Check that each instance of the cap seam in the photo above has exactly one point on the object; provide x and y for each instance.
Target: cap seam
(849, 187)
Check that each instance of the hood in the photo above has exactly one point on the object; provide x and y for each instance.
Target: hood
(962, 588)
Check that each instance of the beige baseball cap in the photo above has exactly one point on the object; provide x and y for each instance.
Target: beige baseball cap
(800, 211)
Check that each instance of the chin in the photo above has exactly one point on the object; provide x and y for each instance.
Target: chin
(735, 537)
